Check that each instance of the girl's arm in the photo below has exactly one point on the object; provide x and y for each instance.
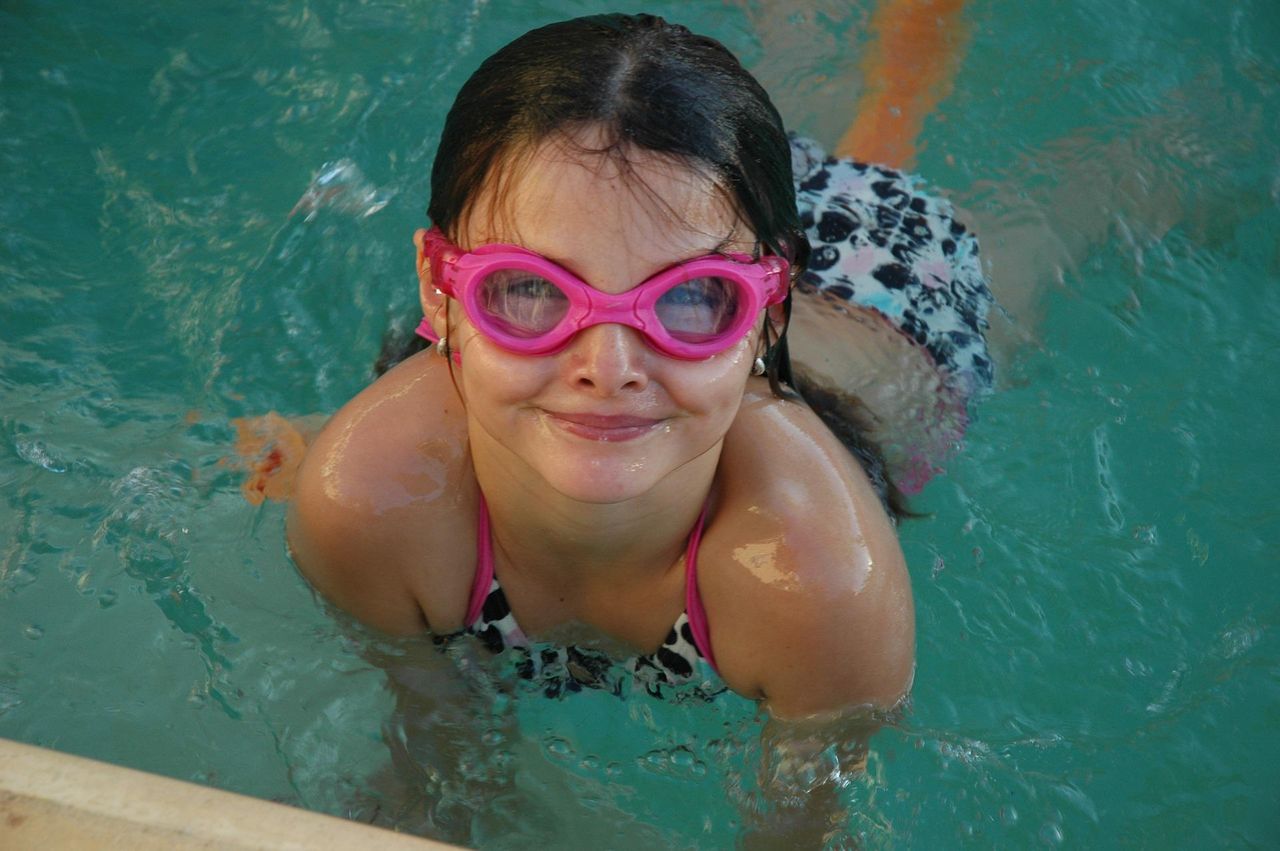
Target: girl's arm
(809, 602)
(805, 585)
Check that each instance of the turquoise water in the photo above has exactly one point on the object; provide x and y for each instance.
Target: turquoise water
(1099, 663)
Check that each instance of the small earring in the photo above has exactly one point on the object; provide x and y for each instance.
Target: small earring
(442, 347)
(757, 368)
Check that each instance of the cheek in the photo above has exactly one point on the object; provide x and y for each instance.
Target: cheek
(716, 384)
(734, 365)
(490, 377)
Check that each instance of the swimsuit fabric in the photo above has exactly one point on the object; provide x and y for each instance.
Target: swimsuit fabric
(880, 241)
(683, 667)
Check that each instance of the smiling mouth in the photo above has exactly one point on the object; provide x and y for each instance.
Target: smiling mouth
(604, 427)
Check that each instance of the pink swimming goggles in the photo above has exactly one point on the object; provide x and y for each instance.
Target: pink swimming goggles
(529, 305)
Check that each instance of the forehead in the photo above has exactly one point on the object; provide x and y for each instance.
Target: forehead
(574, 194)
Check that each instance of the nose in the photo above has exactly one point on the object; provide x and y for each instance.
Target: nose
(607, 359)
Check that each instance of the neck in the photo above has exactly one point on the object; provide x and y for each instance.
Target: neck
(537, 529)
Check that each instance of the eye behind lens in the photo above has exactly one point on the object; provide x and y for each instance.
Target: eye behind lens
(699, 310)
(520, 303)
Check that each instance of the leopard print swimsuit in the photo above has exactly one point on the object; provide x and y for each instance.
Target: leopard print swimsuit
(879, 241)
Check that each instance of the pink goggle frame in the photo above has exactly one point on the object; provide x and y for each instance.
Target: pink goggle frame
(531, 306)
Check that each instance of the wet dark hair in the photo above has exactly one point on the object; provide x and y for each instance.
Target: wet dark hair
(648, 85)
(651, 86)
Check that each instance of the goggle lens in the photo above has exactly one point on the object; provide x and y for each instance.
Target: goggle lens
(521, 304)
(699, 311)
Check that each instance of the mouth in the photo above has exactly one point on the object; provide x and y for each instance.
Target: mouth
(603, 427)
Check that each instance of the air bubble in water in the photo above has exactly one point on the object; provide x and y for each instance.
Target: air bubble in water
(558, 747)
(33, 632)
(676, 762)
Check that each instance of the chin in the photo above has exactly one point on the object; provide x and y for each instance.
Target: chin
(597, 483)
(607, 475)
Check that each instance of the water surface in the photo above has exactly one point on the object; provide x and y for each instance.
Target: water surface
(1097, 613)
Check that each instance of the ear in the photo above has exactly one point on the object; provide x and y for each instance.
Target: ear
(433, 301)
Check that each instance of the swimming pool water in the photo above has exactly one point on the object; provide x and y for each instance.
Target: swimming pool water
(1097, 613)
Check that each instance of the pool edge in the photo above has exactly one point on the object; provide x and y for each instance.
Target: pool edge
(50, 799)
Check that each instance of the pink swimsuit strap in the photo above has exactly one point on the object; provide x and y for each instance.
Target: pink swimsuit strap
(694, 611)
(693, 608)
(484, 565)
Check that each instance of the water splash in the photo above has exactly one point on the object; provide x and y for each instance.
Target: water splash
(38, 453)
(341, 185)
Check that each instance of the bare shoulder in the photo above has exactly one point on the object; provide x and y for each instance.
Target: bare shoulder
(386, 474)
(806, 588)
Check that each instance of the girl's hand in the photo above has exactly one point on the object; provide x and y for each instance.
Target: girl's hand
(270, 448)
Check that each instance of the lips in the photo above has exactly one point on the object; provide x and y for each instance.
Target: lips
(605, 427)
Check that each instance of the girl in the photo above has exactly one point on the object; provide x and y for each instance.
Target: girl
(605, 472)
(605, 454)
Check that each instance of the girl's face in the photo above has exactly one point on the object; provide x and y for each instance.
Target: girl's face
(607, 418)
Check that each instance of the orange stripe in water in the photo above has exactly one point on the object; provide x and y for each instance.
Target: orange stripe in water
(918, 45)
